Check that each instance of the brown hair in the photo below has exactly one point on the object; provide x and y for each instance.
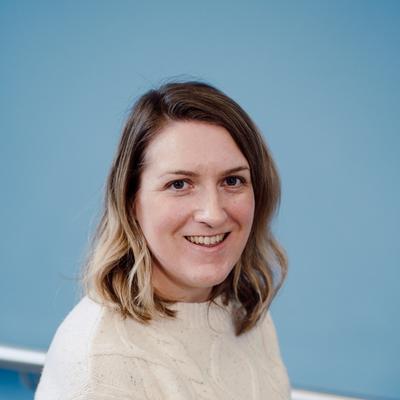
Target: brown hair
(119, 267)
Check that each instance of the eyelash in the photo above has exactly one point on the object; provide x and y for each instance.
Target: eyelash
(239, 178)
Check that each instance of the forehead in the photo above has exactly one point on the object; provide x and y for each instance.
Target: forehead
(193, 145)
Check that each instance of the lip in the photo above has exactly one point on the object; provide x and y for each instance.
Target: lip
(209, 248)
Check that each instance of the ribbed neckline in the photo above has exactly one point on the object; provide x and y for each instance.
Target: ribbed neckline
(203, 315)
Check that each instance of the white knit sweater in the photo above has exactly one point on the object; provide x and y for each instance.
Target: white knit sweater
(97, 355)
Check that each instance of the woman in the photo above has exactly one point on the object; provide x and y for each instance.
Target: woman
(184, 265)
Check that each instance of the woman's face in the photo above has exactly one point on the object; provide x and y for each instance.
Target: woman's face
(195, 206)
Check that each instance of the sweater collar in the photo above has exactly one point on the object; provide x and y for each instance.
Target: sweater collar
(206, 314)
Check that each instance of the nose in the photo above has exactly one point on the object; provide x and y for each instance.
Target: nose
(210, 209)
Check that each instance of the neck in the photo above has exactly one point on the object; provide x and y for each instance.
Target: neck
(170, 290)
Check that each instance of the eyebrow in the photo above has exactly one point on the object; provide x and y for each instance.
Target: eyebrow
(194, 174)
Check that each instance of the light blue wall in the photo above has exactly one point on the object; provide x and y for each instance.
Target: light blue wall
(320, 78)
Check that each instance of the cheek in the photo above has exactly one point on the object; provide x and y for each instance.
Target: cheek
(161, 218)
(243, 211)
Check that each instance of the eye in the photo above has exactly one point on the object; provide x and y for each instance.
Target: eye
(234, 180)
(178, 184)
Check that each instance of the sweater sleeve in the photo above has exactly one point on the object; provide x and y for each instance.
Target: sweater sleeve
(278, 371)
(270, 337)
(66, 372)
(69, 373)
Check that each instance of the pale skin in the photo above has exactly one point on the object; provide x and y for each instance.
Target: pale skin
(195, 206)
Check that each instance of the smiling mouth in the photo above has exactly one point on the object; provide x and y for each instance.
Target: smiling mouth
(207, 241)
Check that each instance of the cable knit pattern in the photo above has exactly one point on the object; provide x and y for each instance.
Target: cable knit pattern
(97, 355)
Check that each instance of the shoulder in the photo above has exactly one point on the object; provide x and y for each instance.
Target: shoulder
(272, 350)
(75, 332)
(82, 317)
(66, 365)
(269, 335)
(88, 358)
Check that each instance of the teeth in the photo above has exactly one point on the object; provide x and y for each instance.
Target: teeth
(206, 240)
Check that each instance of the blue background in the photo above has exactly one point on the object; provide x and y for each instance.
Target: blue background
(320, 78)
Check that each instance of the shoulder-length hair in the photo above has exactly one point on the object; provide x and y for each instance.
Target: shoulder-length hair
(119, 266)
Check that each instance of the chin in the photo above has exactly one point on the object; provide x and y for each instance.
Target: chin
(213, 279)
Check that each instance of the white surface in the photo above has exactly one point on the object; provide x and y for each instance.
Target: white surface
(306, 395)
(15, 356)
